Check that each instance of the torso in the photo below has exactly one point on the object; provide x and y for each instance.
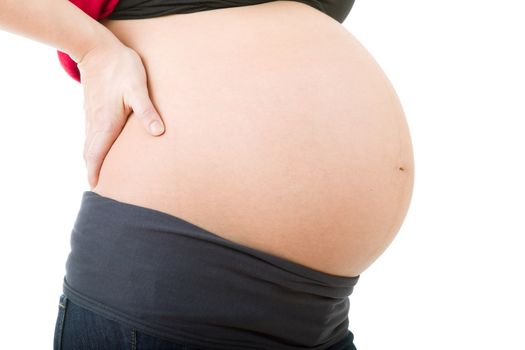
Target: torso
(282, 134)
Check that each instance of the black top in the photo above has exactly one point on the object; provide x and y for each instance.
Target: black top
(135, 9)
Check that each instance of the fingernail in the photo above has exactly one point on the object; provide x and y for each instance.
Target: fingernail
(155, 127)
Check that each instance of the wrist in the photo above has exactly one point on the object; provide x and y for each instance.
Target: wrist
(96, 37)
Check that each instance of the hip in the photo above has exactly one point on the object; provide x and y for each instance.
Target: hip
(79, 327)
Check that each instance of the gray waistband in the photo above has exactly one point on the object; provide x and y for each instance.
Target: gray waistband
(178, 281)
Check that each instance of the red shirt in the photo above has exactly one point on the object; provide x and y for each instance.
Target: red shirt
(97, 9)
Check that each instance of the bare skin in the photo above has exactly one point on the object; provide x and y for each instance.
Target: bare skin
(281, 133)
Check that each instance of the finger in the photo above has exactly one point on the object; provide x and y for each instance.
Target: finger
(146, 112)
(96, 147)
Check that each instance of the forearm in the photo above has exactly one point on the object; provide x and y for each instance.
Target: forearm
(58, 23)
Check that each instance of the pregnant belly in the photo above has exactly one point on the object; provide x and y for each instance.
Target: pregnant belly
(282, 134)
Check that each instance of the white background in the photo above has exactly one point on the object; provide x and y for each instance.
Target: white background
(454, 276)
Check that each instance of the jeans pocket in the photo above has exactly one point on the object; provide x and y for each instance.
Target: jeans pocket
(59, 325)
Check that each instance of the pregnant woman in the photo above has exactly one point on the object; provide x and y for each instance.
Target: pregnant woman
(284, 170)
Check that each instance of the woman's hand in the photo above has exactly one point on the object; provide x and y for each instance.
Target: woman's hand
(115, 83)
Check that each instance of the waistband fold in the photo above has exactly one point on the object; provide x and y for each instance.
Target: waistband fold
(181, 282)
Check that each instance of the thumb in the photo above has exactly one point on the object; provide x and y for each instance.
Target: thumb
(147, 114)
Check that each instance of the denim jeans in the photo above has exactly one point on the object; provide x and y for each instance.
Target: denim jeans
(78, 328)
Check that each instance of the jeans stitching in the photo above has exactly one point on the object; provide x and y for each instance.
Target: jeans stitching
(62, 306)
(133, 339)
